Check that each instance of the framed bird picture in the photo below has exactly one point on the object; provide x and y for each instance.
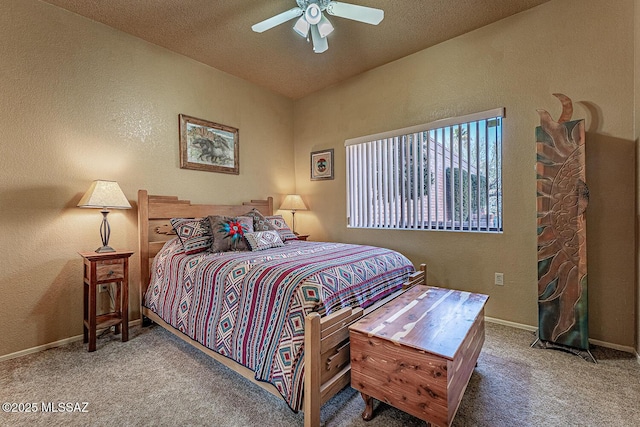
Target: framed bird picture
(208, 146)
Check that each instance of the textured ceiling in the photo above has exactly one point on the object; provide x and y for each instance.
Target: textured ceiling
(218, 33)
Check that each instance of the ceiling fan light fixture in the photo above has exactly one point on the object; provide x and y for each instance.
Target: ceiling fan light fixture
(302, 27)
(313, 14)
(320, 44)
(324, 27)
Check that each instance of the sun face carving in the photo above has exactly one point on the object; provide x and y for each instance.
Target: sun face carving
(562, 200)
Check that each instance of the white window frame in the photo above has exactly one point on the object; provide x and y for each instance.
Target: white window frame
(463, 188)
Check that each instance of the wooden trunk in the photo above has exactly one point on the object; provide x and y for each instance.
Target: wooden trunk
(417, 353)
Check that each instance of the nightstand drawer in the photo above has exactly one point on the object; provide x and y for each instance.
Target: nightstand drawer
(109, 270)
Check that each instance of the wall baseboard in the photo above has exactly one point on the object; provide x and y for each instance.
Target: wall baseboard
(54, 344)
(626, 349)
(512, 324)
(138, 322)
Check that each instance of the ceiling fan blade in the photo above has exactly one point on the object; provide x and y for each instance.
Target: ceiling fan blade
(320, 44)
(280, 18)
(368, 15)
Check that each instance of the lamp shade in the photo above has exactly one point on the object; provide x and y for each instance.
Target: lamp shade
(104, 195)
(293, 202)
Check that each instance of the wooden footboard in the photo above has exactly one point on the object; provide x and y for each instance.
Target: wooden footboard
(327, 365)
(327, 358)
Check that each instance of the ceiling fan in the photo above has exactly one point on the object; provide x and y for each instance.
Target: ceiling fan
(311, 19)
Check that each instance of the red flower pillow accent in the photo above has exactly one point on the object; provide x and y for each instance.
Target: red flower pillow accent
(228, 233)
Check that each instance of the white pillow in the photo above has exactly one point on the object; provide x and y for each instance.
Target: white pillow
(260, 240)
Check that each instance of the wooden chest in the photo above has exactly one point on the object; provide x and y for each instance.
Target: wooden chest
(418, 352)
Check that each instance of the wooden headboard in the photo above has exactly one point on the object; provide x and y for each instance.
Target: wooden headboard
(154, 228)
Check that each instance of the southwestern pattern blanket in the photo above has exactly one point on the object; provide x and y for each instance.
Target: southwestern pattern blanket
(250, 306)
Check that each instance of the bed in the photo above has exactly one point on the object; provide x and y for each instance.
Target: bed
(279, 316)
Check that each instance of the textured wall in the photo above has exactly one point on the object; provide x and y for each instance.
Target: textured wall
(637, 139)
(80, 101)
(583, 49)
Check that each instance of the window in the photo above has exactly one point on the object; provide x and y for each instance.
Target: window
(445, 175)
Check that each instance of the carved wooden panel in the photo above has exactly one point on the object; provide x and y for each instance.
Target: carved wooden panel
(562, 248)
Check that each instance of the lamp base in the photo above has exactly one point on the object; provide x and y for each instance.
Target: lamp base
(105, 232)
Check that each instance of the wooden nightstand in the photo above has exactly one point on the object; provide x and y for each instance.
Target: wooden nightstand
(303, 236)
(101, 268)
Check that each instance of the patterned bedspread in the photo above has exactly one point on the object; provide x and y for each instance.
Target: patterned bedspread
(250, 306)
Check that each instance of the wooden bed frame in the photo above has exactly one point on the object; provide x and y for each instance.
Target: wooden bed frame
(327, 359)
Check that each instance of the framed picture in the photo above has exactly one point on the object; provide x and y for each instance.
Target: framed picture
(322, 165)
(208, 146)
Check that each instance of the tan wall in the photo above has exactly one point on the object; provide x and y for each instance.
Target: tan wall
(637, 139)
(80, 101)
(583, 49)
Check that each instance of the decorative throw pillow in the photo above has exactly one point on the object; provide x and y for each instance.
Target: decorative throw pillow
(194, 233)
(228, 233)
(263, 240)
(281, 226)
(260, 223)
(247, 222)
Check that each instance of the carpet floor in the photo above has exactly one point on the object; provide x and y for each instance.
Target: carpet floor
(156, 379)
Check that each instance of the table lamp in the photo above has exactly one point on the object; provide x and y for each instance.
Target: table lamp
(293, 203)
(104, 195)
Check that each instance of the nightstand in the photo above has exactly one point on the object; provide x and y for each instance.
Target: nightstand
(99, 269)
(303, 236)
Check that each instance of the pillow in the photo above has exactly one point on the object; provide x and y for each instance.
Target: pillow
(247, 224)
(194, 233)
(263, 240)
(281, 226)
(228, 233)
(260, 223)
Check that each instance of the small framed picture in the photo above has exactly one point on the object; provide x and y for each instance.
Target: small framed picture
(322, 165)
(208, 146)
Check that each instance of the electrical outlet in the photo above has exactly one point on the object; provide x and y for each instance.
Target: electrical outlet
(499, 279)
(103, 288)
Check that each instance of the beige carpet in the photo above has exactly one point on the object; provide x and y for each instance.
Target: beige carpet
(155, 379)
